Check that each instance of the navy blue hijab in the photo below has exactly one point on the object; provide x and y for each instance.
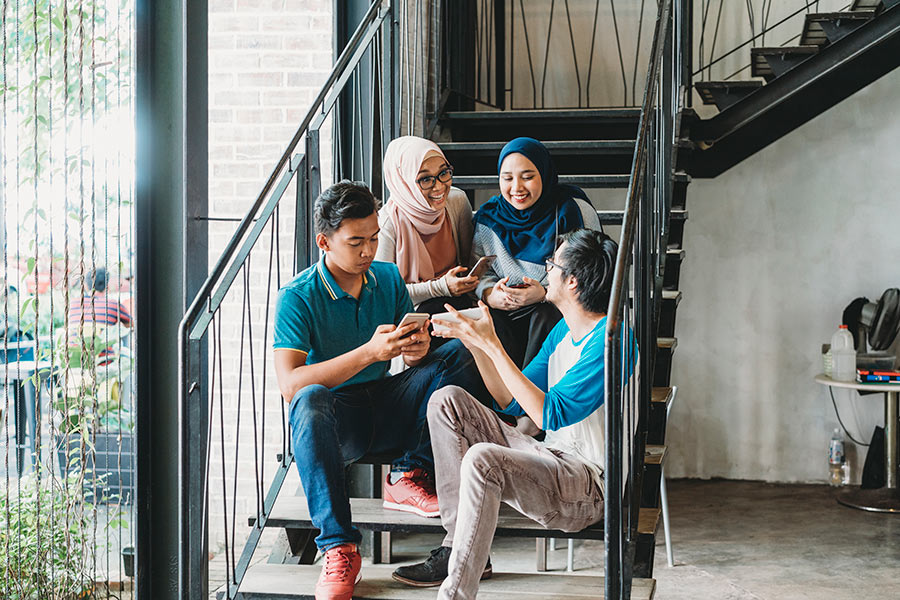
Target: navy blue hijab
(530, 234)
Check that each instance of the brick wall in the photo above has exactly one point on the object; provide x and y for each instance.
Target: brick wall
(267, 61)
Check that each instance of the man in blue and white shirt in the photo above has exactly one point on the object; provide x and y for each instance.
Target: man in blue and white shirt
(480, 461)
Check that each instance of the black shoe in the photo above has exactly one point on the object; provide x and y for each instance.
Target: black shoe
(433, 571)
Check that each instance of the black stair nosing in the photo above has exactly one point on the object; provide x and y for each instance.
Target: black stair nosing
(554, 146)
(550, 113)
(265, 581)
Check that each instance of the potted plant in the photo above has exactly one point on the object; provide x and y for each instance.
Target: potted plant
(95, 422)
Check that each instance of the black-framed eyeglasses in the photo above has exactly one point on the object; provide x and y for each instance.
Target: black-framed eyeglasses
(427, 182)
(549, 264)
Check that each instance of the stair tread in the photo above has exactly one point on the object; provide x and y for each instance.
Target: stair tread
(369, 514)
(553, 146)
(270, 582)
(813, 33)
(672, 295)
(676, 253)
(654, 454)
(784, 50)
(648, 521)
(614, 217)
(742, 83)
(662, 395)
(586, 181)
(549, 113)
(669, 343)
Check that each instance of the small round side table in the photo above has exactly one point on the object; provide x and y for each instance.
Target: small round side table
(886, 499)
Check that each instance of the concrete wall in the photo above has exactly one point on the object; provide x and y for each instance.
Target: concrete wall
(776, 248)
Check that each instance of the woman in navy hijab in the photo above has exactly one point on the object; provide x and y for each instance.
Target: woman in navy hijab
(520, 227)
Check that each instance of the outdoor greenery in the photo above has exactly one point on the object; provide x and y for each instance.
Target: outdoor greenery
(66, 175)
(45, 545)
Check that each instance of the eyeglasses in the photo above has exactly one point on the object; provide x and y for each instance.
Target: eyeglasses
(549, 264)
(427, 182)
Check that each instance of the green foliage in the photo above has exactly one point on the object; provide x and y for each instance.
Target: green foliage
(45, 540)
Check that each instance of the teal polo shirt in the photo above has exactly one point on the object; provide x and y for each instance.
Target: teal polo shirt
(315, 316)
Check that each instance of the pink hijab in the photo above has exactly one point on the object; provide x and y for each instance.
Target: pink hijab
(409, 210)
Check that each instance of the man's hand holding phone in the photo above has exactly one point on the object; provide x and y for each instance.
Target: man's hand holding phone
(458, 282)
(410, 338)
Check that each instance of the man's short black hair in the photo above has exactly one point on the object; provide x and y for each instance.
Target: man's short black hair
(344, 200)
(97, 280)
(590, 257)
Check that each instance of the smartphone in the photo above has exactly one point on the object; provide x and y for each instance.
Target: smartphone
(480, 267)
(519, 285)
(471, 313)
(417, 318)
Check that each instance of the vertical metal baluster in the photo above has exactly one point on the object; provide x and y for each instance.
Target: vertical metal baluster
(547, 53)
(574, 54)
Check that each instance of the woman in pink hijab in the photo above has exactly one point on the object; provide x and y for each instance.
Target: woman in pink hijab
(426, 226)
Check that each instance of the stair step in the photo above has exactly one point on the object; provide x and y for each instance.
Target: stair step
(820, 29)
(588, 182)
(667, 343)
(655, 454)
(570, 156)
(294, 582)
(550, 124)
(615, 217)
(292, 512)
(723, 94)
(867, 5)
(672, 296)
(770, 63)
(662, 396)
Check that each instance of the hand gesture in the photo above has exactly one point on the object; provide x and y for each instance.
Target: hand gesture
(459, 284)
(473, 333)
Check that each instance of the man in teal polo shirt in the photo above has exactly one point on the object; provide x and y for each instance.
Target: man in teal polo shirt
(335, 333)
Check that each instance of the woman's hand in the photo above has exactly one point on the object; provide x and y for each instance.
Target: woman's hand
(532, 293)
(504, 297)
(459, 285)
(496, 297)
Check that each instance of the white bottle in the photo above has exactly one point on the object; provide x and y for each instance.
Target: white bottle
(843, 355)
(836, 459)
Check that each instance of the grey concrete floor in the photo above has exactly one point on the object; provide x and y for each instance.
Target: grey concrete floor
(733, 540)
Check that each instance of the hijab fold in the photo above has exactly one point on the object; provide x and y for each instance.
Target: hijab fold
(530, 234)
(409, 209)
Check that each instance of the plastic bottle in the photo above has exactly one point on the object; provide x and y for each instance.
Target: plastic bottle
(836, 458)
(843, 355)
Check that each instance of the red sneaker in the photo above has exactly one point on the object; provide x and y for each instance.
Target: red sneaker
(414, 492)
(339, 574)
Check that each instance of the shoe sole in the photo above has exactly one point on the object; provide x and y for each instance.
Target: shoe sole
(487, 574)
(411, 509)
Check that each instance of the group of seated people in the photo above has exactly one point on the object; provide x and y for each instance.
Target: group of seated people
(533, 347)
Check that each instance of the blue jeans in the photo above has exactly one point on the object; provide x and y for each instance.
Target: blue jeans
(331, 429)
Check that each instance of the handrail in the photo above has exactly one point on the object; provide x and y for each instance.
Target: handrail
(647, 203)
(208, 298)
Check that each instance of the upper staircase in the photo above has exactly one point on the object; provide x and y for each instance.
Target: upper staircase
(837, 54)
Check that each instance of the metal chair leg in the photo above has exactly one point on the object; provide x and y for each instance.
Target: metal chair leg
(664, 500)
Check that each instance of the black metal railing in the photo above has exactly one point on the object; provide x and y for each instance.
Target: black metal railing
(225, 387)
(638, 272)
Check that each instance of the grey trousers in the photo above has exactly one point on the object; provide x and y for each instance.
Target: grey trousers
(479, 463)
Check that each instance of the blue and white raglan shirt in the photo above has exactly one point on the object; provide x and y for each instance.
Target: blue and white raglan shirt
(570, 373)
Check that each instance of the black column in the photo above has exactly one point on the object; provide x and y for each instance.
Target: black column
(171, 260)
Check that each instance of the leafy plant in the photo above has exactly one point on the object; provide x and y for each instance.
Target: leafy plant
(45, 540)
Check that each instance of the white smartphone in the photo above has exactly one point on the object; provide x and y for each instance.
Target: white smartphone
(417, 318)
(471, 313)
(481, 266)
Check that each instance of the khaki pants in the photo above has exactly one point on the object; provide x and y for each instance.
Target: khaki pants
(479, 463)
